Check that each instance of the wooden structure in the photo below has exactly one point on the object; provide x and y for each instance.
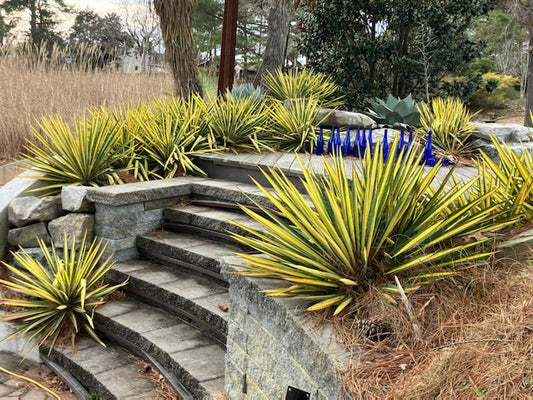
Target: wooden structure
(229, 41)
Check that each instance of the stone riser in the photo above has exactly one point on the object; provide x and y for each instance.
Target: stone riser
(181, 257)
(174, 354)
(179, 306)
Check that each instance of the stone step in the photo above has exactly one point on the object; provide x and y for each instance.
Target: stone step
(188, 252)
(109, 372)
(194, 359)
(193, 298)
(208, 221)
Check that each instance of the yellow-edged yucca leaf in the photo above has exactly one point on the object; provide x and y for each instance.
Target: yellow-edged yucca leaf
(302, 84)
(59, 295)
(236, 122)
(87, 156)
(449, 121)
(342, 235)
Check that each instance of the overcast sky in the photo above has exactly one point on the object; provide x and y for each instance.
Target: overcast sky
(100, 6)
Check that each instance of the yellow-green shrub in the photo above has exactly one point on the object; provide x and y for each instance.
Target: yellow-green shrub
(347, 236)
(59, 298)
(293, 125)
(497, 90)
(304, 84)
(237, 122)
(449, 121)
(91, 155)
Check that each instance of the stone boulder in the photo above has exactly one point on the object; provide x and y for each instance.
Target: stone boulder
(509, 133)
(344, 118)
(74, 226)
(29, 236)
(26, 210)
(74, 198)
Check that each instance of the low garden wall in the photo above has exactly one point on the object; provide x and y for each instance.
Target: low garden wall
(272, 346)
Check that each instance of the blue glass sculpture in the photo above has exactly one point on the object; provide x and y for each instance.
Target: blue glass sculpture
(337, 145)
(401, 144)
(331, 140)
(320, 142)
(370, 144)
(347, 145)
(386, 145)
(355, 151)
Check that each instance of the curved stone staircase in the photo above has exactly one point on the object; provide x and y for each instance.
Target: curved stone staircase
(174, 315)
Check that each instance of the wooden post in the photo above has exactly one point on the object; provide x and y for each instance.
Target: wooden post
(229, 42)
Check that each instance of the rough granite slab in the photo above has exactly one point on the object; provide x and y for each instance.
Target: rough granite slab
(140, 192)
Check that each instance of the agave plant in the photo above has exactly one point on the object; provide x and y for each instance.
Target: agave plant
(166, 146)
(304, 84)
(293, 125)
(341, 237)
(89, 156)
(60, 297)
(449, 121)
(246, 90)
(395, 111)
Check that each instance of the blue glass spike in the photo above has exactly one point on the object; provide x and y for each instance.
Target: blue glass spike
(431, 162)
(355, 151)
(446, 162)
(331, 140)
(338, 143)
(347, 145)
(370, 144)
(386, 145)
(410, 141)
(401, 144)
(428, 150)
(320, 142)
(362, 148)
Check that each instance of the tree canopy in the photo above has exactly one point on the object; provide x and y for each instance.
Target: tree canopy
(374, 47)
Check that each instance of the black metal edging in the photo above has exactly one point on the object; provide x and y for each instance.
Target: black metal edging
(181, 390)
(204, 271)
(74, 385)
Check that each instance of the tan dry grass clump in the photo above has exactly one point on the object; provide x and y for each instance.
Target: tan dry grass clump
(27, 93)
(478, 341)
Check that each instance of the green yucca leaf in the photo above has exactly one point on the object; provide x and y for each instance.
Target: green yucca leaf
(304, 84)
(344, 233)
(61, 297)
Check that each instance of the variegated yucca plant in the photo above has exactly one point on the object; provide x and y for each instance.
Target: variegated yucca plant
(302, 84)
(92, 154)
(165, 145)
(339, 237)
(60, 296)
(237, 122)
(512, 175)
(293, 125)
(450, 123)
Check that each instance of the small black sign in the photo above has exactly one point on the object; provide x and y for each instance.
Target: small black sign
(297, 394)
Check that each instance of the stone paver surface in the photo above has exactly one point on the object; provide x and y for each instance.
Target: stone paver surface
(12, 388)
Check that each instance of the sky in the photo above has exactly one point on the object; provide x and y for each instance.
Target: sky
(100, 6)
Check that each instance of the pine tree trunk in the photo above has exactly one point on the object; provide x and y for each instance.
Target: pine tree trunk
(176, 29)
(529, 90)
(33, 21)
(279, 23)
